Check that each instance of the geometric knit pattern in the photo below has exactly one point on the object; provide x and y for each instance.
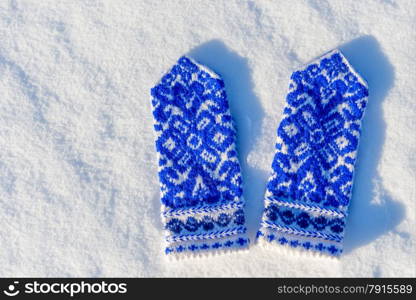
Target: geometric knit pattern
(199, 172)
(310, 187)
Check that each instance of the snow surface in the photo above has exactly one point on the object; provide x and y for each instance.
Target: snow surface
(79, 190)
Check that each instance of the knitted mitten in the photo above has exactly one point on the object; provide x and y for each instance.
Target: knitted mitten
(309, 190)
(199, 173)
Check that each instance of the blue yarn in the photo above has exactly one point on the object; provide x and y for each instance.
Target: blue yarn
(199, 172)
(309, 190)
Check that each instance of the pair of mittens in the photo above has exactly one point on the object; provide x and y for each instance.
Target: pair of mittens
(309, 190)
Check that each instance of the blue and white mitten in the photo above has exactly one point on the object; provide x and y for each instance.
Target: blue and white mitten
(199, 172)
(310, 187)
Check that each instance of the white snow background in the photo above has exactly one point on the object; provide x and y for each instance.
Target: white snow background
(79, 193)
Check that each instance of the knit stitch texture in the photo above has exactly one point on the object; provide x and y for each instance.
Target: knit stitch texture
(199, 172)
(309, 190)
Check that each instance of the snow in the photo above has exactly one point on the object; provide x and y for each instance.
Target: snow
(79, 190)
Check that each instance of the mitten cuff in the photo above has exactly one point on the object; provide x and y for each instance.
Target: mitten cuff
(305, 227)
(211, 228)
